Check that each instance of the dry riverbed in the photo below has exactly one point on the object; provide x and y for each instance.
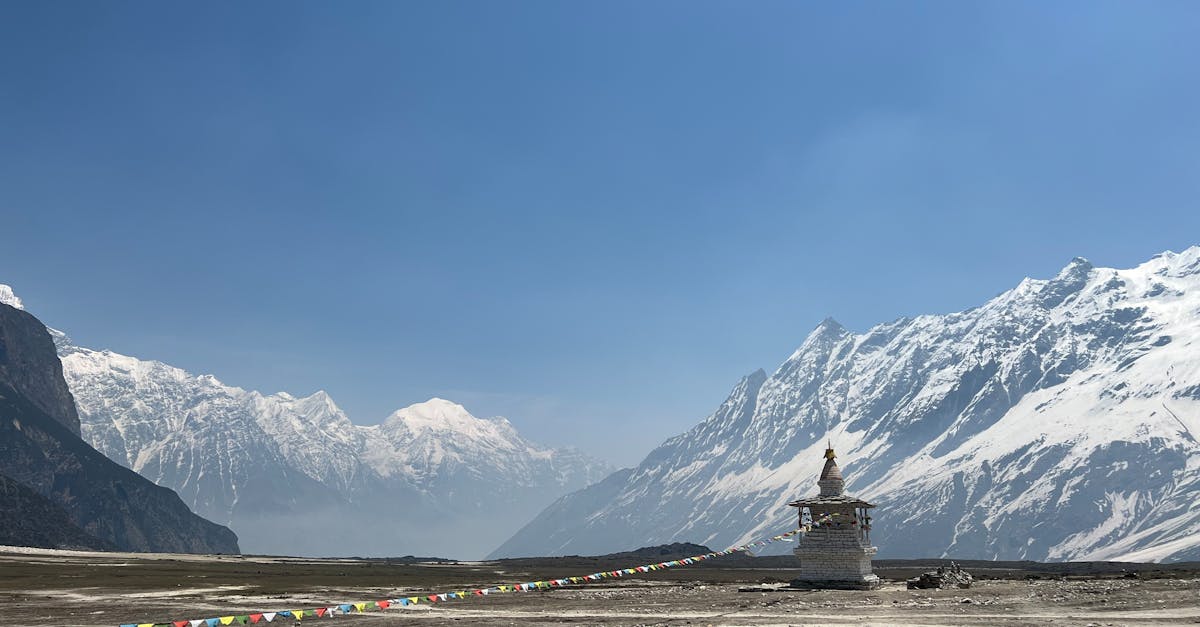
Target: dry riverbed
(106, 589)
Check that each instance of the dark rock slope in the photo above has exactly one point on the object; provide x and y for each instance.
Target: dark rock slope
(42, 451)
(29, 519)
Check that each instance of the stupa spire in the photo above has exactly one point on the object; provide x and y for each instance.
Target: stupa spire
(831, 481)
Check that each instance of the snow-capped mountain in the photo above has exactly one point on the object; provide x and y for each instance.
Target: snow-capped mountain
(9, 298)
(295, 475)
(1057, 421)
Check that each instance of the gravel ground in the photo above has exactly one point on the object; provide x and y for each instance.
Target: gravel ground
(107, 589)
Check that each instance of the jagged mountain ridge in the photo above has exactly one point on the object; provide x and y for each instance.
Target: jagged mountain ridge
(1057, 421)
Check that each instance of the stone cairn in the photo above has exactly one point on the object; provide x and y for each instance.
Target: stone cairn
(944, 577)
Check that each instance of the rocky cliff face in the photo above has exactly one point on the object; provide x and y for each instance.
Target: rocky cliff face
(30, 370)
(1057, 421)
(43, 452)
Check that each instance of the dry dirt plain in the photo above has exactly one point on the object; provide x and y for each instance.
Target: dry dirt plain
(39, 587)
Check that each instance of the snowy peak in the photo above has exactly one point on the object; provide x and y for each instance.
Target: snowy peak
(1174, 265)
(823, 337)
(1076, 269)
(440, 437)
(317, 411)
(829, 329)
(9, 298)
(320, 408)
(441, 416)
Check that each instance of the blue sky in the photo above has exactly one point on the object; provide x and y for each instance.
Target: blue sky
(590, 217)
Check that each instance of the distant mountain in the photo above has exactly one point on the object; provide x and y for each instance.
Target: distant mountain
(55, 489)
(295, 476)
(1058, 421)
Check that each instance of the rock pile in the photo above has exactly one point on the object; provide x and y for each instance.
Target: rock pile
(944, 577)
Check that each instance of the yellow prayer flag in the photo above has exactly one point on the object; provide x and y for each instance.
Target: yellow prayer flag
(225, 620)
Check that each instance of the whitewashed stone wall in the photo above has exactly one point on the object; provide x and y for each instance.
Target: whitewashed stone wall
(836, 555)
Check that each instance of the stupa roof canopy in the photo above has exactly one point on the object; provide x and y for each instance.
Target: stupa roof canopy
(844, 499)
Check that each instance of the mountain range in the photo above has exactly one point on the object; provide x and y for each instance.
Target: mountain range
(1057, 421)
(295, 476)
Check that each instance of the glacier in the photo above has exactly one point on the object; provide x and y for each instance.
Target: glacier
(1057, 421)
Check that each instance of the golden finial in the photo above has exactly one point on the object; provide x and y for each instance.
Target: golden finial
(829, 454)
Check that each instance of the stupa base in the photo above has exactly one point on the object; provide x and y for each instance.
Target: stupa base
(870, 582)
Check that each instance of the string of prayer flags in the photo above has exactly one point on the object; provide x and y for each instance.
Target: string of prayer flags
(360, 607)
